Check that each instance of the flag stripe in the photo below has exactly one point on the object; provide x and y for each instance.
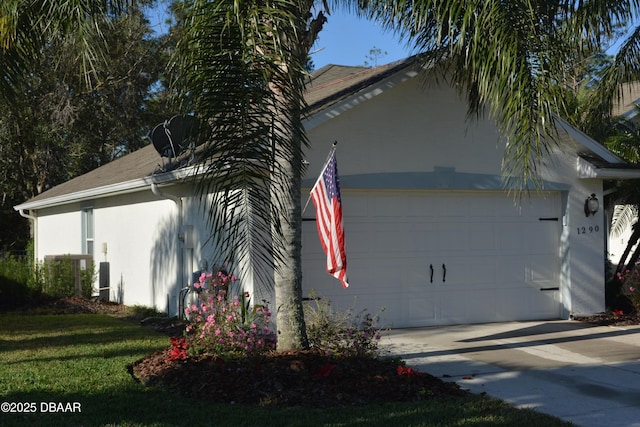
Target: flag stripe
(325, 195)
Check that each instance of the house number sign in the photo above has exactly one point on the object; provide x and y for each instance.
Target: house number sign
(588, 230)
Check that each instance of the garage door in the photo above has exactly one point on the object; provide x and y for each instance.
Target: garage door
(434, 258)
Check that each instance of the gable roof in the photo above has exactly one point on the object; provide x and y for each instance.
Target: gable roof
(331, 90)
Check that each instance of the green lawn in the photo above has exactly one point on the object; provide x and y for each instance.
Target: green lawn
(79, 363)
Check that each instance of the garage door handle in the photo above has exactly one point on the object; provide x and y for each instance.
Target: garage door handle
(444, 273)
(431, 277)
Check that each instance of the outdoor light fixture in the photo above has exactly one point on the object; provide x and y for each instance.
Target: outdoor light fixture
(591, 205)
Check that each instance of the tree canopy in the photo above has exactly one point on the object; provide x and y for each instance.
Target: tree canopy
(54, 127)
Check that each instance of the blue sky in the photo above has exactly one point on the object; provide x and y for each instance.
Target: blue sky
(344, 40)
(347, 40)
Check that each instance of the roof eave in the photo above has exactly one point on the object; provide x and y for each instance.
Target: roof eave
(587, 170)
(126, 187)
(587, 142)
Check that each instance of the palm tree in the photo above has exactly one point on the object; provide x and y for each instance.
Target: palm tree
(241, 67)
(242, 70)
(27, 25)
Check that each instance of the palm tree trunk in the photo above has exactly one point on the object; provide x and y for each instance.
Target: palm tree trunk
(292, 331)
(288, 267)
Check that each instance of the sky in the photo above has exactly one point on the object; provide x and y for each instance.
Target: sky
(347, 40)
(344, 40)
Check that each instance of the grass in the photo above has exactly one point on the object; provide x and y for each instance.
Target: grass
(82, 360)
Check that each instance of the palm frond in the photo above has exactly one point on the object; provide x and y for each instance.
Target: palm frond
(25, 26)
(623, 217)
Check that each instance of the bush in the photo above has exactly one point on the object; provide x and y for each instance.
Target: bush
(60, 278)
(23, 281)
(18, 283)
(630, 279)
(224, 326)
(341, 333)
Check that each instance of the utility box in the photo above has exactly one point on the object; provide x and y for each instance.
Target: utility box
(104, 281)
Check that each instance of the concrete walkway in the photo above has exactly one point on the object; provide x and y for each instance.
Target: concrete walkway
(589, 375)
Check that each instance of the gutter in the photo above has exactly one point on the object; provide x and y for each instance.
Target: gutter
(34, 220)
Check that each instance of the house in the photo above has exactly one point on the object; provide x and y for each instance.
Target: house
(432, 234)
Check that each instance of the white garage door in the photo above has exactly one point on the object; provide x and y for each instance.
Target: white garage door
(434, 258)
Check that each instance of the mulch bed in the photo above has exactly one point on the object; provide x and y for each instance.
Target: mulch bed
(300, 378)
(610, 319)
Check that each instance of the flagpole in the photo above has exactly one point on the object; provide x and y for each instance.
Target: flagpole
(333, 150)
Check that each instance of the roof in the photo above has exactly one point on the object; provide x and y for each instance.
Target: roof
(330, 90)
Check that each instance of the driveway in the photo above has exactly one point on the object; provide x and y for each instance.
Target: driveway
(589, 375)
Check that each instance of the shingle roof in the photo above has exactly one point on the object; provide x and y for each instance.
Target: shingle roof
(325, 87)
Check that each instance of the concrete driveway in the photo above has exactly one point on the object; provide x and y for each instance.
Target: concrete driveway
(589, 375)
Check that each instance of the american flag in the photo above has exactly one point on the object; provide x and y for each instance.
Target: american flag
(326, 198)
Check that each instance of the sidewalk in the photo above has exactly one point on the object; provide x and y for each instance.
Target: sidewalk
(589, 375)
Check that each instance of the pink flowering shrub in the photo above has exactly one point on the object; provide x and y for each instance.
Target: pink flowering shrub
(630, 279)
(224, 326)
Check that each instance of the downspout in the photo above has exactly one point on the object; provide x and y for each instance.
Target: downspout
(35, 232)
(178, 201)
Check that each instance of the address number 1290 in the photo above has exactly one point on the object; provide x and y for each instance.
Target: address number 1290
(590, 229)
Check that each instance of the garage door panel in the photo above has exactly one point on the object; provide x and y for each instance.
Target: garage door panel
(422, 310)
(417, 272)
(539, 273)
(466, 306)
(511, 237)
(452, 207)
(482, 237)
(450, 238)
(421, 238)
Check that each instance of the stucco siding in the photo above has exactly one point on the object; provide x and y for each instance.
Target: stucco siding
(59, 231)
(139, 231)
(412, 128)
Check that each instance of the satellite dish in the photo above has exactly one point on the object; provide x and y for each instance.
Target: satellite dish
(172, 137)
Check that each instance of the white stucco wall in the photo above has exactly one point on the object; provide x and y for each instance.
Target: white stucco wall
(407, 130)
(59, 231)
(140, 233)
(582, 248)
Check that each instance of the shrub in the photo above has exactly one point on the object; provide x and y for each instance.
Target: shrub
(341, 333)
(630, 279)
(18, 282)
(60, 278)
(23, 281)
(222, 326)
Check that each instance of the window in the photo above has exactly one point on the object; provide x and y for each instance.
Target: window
(87, 231)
